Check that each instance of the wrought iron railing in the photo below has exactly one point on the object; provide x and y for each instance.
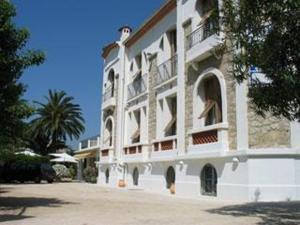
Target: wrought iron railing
(166, 70)
(109, 93)
(207, 28)
(137, 87)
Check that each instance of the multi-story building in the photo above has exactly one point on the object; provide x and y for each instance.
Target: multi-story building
(175, 120)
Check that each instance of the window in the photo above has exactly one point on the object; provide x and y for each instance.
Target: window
(173, 42)
(131, 66)
(171, 127)
(138, 62)
(209, 180)
(161, 43)
(208, 11)
(212, 112)
(206, 7)
(135, 137)
(108, 133)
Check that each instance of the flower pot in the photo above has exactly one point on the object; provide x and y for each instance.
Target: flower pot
(172, 189)
(122, 183)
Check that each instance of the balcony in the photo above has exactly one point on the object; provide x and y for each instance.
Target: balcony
(166, 72)
(137, 88)
(109, 100)
(209, 139)
(90, 143)
(107, 155)
(135, 152)
(202, 41)
(164, 148)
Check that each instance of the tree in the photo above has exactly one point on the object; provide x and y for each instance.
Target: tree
(265, 34)
(58, 119)
(14, 59)
(39, 144)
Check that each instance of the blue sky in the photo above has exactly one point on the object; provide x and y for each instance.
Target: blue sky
(72, 34)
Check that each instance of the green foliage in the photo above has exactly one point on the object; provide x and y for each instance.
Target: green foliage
(57, 119)
(61, 171)
(9, 157)
(267, 36)
(15, 165)
(73, 172)
(14, 59)
(90, 174)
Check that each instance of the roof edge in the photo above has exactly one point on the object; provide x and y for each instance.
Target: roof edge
(106, 50)
(151, 22)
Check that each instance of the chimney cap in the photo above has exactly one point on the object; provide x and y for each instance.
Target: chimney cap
(126, 26)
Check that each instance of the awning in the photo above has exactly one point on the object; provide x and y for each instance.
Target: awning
(85, 155)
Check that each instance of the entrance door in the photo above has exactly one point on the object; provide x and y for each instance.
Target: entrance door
(107, 176)
(135, 176)
(170, 177)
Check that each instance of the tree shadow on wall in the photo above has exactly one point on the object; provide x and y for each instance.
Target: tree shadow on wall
(14, 208)
(275, 213)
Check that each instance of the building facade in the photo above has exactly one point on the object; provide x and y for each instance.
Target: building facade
(87, 155)
(174, 120)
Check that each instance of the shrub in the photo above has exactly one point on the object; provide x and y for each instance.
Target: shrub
(61, 171)
(73, 172)
(20, 167)
(90, 174)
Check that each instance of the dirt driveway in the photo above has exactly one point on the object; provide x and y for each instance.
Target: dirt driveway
(85, 204)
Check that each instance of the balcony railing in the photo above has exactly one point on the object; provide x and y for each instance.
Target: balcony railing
(205, 137)
(90, 143)
(207, 28)
(166, 144)
(137, 87)
(109, 93)
(166, 70)
(132, 150)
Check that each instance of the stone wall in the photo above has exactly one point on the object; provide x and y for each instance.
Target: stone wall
(191, 78)
(152, 100)
(267, 132)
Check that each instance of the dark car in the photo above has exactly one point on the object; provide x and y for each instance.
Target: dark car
(36, 172)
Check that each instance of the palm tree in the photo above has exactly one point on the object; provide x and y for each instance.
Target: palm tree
(58, 119)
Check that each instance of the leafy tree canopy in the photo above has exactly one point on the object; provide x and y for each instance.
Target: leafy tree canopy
(14, 59)
(267, 36)
(57, 119)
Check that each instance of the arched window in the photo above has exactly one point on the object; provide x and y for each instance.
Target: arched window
(209, 180)
(211, 94)
(108, 132)
(209, 99)
(135, 176)
(111, 82)
(170, 177)
(107, 176)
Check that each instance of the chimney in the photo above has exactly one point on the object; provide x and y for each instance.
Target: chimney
(125, 32)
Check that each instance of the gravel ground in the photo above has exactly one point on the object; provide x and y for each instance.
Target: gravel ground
(85, 204)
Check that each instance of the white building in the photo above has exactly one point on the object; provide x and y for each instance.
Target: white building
(174, 119)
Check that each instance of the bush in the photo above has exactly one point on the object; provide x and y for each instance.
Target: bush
(90, 174)
(20, 167)
(61, 171)
(73, 172)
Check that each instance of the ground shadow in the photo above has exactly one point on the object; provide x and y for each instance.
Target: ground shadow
(13, 208)
(275, 213)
